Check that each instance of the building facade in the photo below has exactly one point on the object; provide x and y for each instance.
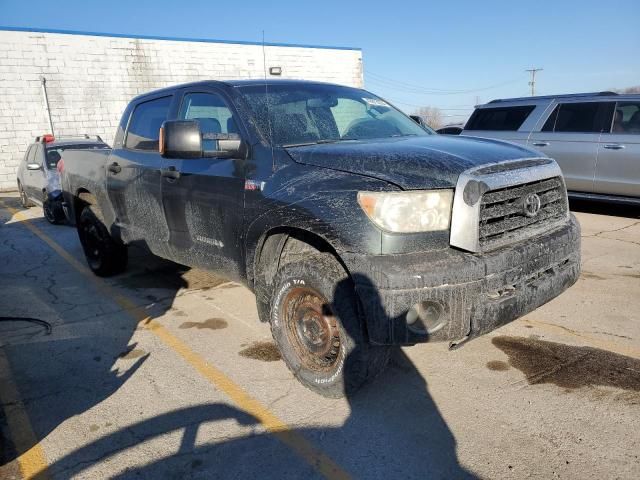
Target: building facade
(90, 77)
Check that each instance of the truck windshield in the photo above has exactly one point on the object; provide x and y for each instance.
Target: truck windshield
(291, 115)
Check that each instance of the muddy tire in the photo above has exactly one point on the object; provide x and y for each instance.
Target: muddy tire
(104, 254)
(315, 323)
(52, 213)
(24, 199)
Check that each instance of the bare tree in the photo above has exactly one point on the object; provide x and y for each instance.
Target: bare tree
(432, 116)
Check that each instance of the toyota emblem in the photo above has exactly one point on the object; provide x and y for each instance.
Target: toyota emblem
(531, 205)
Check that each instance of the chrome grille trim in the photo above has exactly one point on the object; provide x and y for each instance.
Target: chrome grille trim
(481, 188)
(502, 219)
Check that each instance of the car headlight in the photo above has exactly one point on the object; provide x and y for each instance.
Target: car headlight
(408, 212)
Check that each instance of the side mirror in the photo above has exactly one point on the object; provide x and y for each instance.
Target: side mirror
(33, 166)
(184, 139)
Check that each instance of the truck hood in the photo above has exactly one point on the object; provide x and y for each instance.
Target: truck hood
(412, 163)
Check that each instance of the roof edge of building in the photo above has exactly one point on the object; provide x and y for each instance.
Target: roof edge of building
(167, 38)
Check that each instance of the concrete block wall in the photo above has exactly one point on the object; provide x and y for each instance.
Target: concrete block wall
(90, 78)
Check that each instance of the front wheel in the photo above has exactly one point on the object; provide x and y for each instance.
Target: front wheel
(315, 323)
(104, 254)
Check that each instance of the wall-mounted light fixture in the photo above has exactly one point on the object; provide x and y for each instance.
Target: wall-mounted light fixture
(275, 71)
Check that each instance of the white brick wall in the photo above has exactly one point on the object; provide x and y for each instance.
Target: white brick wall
(90, 79)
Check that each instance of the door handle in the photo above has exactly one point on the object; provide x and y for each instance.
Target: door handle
(540, 144)
(115, 168)
(613, 146)
(170, 173)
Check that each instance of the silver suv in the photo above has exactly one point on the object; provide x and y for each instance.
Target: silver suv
(595, 137)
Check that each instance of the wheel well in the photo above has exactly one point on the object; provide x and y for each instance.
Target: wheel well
(281, 246)
(82, 199)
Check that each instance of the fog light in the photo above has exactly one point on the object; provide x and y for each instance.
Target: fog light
(425, 317)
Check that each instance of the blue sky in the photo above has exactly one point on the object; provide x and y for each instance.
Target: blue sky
(447, 54)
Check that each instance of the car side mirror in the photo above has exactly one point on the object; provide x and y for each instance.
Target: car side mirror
(184, 139)
(418, 119)
(33, 166)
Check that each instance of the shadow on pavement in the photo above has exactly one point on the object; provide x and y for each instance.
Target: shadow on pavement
(604, 208)
(394, 429)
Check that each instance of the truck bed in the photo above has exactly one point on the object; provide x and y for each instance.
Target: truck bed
(84, 170)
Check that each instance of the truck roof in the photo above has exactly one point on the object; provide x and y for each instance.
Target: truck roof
(237, 83)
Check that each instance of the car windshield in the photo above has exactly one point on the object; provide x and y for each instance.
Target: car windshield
(293, 115)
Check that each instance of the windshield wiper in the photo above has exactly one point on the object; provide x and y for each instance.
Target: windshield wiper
(317, 142)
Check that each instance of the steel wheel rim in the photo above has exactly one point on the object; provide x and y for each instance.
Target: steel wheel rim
(312, 328)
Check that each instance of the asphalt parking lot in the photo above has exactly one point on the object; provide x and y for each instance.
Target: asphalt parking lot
(165, 372)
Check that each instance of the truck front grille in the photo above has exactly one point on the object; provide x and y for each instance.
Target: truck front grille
(504, 217)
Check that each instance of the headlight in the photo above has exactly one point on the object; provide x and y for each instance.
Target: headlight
(408, 212)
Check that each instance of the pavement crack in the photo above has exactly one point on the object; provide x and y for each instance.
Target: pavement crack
(597, 234)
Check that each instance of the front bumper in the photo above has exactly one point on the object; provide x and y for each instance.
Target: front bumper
(476, 293)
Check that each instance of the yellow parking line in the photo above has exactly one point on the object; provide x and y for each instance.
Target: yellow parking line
(296, 441)
(32, 462)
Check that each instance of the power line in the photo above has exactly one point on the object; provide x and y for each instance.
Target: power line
(469, 109)
(532, 83)
(412, 88)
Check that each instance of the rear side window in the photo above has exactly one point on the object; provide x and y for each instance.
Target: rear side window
(627, 118)
(30, 152)
(36, 154)
(586, 117)
(145, 123)
(501, 118)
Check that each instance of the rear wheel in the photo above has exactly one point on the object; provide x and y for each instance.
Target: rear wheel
(315, 323)
(52, 211)
(24, 199)
(104, 254)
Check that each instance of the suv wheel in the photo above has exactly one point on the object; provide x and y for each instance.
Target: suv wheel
(24, 199)
(104, 254)
(315, 323)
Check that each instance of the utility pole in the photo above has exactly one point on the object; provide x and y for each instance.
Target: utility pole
(532, 83)
(43, 82)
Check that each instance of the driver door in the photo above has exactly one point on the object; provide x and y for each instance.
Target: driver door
(203, 198)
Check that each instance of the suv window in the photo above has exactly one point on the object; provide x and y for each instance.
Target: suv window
(37, 155)
(499, 118)
(29, 155)
(145, 123)
(585, 117)
(211, 112)
(627, 118)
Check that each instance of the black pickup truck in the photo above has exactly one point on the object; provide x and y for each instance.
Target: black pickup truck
(357, 229)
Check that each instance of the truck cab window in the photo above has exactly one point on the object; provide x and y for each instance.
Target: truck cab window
(145, 123)
(210, 111)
